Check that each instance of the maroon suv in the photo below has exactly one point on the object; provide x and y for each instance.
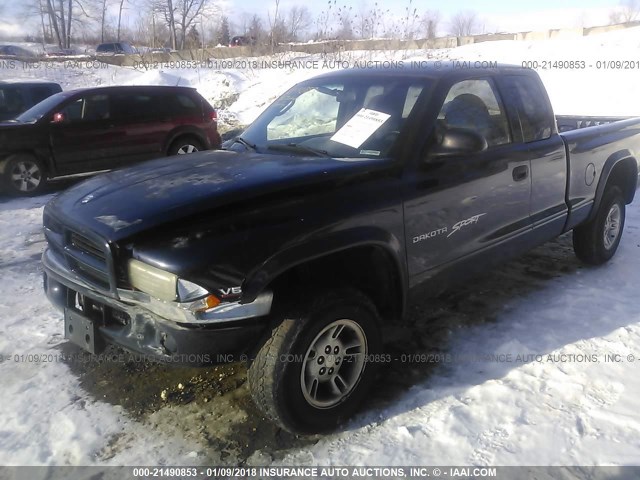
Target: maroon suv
(103, 128)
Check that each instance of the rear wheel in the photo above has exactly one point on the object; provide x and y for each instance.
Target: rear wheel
(596, 242)
(24, 176)
(185, 145)
(315, 370)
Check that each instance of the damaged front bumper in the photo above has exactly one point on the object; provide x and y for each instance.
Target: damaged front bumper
(165, 332)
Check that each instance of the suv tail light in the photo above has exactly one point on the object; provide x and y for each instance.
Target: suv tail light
(213, 116)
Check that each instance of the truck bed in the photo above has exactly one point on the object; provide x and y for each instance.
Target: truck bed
(593, 145)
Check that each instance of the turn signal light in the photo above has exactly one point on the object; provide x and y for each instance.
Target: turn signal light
(211, 301)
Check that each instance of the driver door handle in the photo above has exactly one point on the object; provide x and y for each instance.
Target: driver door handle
(520, 173)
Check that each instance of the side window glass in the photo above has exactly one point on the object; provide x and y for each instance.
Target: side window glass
(11, 101)
(413, 93)
(135, 107)
(536, 117)
(73, 111)
(88, 109)
(40, 93)
(474, 105)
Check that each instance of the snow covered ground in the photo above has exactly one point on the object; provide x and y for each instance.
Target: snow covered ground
(522, 376)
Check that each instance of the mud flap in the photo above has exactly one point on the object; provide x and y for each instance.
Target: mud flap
(83, 332)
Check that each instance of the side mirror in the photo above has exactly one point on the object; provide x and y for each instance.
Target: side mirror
(58, 118)
(458, 141)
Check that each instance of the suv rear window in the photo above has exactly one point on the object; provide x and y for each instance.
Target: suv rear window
(182, 104)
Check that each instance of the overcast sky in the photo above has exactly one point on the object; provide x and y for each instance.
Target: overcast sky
(496, 15)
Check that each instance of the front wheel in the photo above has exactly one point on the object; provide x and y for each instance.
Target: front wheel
(24, 176)
(596, 242)
(316, 368)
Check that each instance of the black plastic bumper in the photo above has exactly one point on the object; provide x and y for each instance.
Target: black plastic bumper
(141, 332)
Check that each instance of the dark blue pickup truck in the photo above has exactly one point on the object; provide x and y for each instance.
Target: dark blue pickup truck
(351, 195)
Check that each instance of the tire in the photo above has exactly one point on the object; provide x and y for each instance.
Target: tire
(185, 145)
(286, 379)
(24, 176)
(596, 242)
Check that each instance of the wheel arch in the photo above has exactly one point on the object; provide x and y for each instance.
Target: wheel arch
(184, 132)
(373, 266)
(620, 169)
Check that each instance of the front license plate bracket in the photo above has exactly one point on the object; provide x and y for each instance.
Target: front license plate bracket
(83, 332)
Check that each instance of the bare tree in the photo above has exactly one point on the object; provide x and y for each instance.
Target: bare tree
(298, 21)
(62, 16)
(464, 23)
(188, 12)
(256, 31)
(104, 4)
(38, 9)
(409, 22)
(179, 16)
(122, 4)
(368, 21)
(627, 11)
(274, 25)
(430, 22)
(224, 35)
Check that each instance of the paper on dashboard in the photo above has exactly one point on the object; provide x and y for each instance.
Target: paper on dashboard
(360, 127)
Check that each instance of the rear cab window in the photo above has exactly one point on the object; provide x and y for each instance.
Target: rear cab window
(533, 116)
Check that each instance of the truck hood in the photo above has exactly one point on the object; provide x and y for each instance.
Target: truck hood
(125, 202)
(8, 124)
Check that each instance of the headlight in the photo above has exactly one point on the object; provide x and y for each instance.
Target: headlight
(152, 280)
(163, 285)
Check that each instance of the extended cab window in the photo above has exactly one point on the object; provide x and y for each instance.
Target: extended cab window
(535, 115)
(474, 105)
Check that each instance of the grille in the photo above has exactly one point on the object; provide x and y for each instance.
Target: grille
(88, 260)
(87, 246)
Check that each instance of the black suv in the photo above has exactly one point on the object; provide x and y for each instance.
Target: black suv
(17, 97)
(96, 129)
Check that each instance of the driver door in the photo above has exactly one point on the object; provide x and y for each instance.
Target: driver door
(463, 203)
(86, 139)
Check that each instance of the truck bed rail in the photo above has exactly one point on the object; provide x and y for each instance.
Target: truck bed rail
(567, 123)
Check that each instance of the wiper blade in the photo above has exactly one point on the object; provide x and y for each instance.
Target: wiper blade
(245, 143)
(294, 147)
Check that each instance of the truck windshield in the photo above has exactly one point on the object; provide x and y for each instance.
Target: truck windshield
(39, 110)
(360, 117)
